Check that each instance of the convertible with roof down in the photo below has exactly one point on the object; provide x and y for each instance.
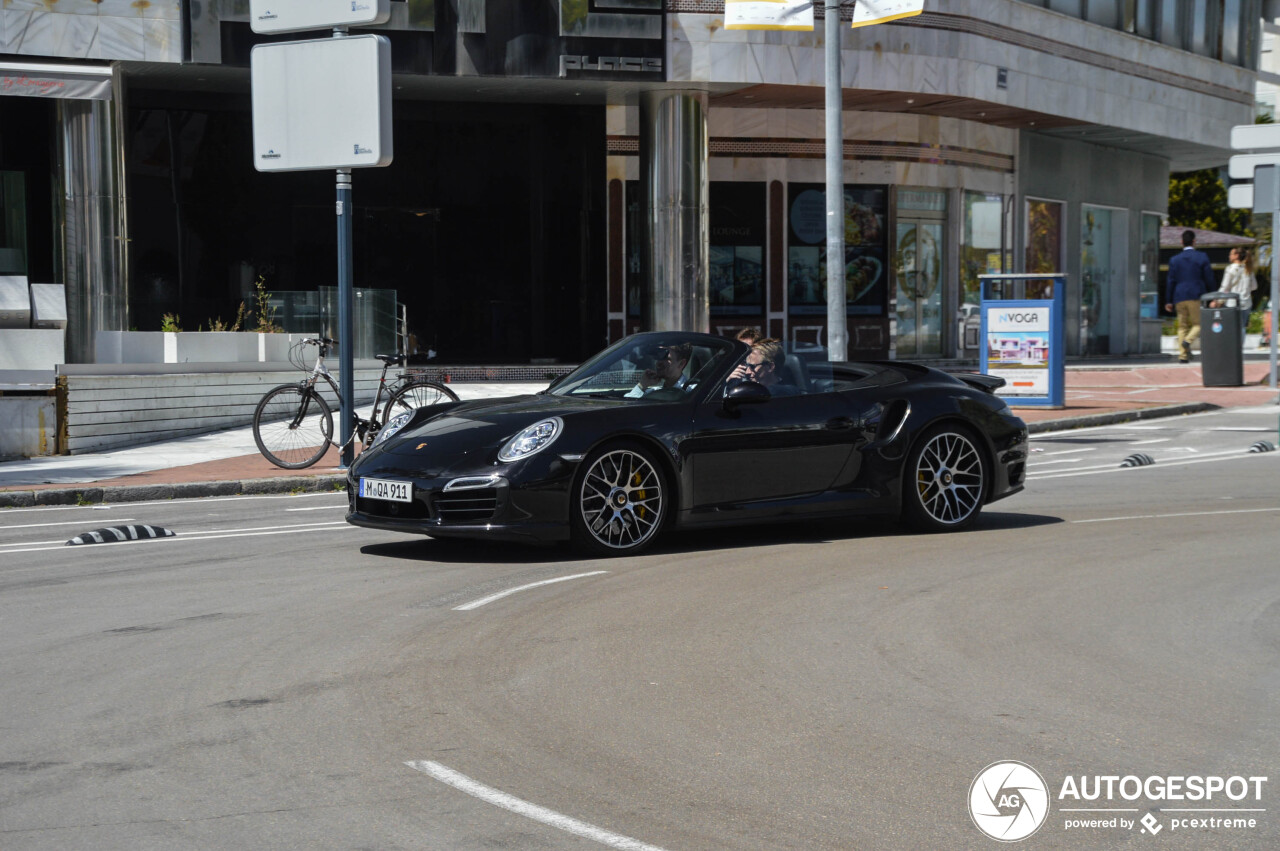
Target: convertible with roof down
(682, 429)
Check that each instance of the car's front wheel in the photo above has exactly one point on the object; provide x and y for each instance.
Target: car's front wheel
(619, 500)
(945, 480)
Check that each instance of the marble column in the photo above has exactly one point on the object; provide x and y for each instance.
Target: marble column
(674, 184)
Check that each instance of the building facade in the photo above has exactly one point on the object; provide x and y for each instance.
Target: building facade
(570, 171)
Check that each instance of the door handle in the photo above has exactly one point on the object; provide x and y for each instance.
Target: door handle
(840, 423)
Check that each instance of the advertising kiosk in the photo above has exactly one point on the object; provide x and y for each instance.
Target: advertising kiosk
(1022, 338)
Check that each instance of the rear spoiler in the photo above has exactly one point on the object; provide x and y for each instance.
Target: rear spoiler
(989, 383)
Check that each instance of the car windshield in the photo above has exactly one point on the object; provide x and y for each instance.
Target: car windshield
(654, 367)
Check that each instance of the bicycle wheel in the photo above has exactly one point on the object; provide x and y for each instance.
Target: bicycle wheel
(292, 426)
(414, 395)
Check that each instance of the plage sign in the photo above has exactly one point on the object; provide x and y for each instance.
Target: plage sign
(287, 16)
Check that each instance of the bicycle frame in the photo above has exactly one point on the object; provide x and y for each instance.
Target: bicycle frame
(364, 428)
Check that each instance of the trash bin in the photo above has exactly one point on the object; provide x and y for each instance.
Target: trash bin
(1221, 349)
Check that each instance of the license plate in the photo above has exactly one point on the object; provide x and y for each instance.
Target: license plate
(386, 489)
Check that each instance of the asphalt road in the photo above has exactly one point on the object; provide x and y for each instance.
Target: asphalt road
(272, 678)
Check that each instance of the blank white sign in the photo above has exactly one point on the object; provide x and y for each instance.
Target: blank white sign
(284, 16)
(322, 104)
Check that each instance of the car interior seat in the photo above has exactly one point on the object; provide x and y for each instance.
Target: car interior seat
(793, 373)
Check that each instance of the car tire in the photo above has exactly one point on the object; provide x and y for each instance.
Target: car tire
(945, 480)
(619, 502)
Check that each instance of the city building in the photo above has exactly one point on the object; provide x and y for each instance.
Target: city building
(569, 171)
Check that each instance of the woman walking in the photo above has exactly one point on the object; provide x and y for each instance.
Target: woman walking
(1238, 279)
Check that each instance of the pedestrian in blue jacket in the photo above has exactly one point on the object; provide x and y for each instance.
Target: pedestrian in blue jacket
(1190, 276)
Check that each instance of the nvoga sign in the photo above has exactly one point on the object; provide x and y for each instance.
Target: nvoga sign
(1022, 339)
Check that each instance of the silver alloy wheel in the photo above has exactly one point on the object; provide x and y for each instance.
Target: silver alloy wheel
(949, 478)
(621, 499)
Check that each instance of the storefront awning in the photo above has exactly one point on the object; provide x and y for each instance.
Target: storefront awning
(79, 82)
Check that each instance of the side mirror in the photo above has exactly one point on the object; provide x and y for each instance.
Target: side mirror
(746, 393)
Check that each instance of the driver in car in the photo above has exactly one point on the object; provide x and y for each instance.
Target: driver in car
(667, 372)
(763, 365)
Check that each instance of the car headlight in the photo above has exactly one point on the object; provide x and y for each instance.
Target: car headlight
(393, 425)
(532, 440)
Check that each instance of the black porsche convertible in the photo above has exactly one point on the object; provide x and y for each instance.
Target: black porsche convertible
(684, 429)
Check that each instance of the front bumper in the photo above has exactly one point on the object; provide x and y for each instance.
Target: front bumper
(499, 512)
(1011, 448)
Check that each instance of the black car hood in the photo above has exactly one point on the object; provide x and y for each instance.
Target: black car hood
(473, 432)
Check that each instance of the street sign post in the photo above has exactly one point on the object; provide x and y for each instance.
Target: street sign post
(1255, 137)
(325, 104)
(1263, 168)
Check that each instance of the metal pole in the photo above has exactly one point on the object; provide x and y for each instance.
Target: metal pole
(346, 323)
(837, 333)
(1275, 281)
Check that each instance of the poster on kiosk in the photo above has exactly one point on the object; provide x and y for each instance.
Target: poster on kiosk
(1022, 337)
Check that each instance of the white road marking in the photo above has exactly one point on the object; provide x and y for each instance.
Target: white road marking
(1036, 463)
(1238, 455)
(489, 795)
(475, 604)
(1184, 514)
(319, 507)
(1070, 452)
(1153, 440)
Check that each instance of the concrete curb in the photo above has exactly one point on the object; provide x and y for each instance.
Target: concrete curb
(1113, 417)
(92, 495)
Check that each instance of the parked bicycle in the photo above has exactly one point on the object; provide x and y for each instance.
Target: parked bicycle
(293, 424)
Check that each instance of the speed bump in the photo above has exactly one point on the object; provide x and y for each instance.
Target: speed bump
(115, 534)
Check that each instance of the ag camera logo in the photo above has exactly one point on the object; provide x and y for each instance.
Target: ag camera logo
(1008, 801)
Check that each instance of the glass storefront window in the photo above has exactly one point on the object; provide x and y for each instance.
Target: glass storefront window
(634, 239)
(1149, 268)
(13, 224)
(1172, 23)
(737, 258)
(1147, 18)
(865, 237)
(1101, 270)
(1044, 237)
(1206, 19)
(1105, 13)
(982, 251)
(919, 268)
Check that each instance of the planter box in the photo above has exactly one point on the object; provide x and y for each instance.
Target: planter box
(193, 347)
(31, 348)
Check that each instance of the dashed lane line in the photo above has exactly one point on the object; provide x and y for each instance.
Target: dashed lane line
(475, 604)
(1180, 514)
(519, 806)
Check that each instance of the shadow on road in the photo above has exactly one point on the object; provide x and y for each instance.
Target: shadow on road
(676, 542)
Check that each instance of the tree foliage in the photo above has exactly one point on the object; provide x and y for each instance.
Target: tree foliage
(1198, 199)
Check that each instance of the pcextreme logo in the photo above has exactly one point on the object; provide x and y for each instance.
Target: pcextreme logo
(1009, 801)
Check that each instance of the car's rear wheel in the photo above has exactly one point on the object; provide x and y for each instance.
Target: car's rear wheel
(945, 480)
(619, 500)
